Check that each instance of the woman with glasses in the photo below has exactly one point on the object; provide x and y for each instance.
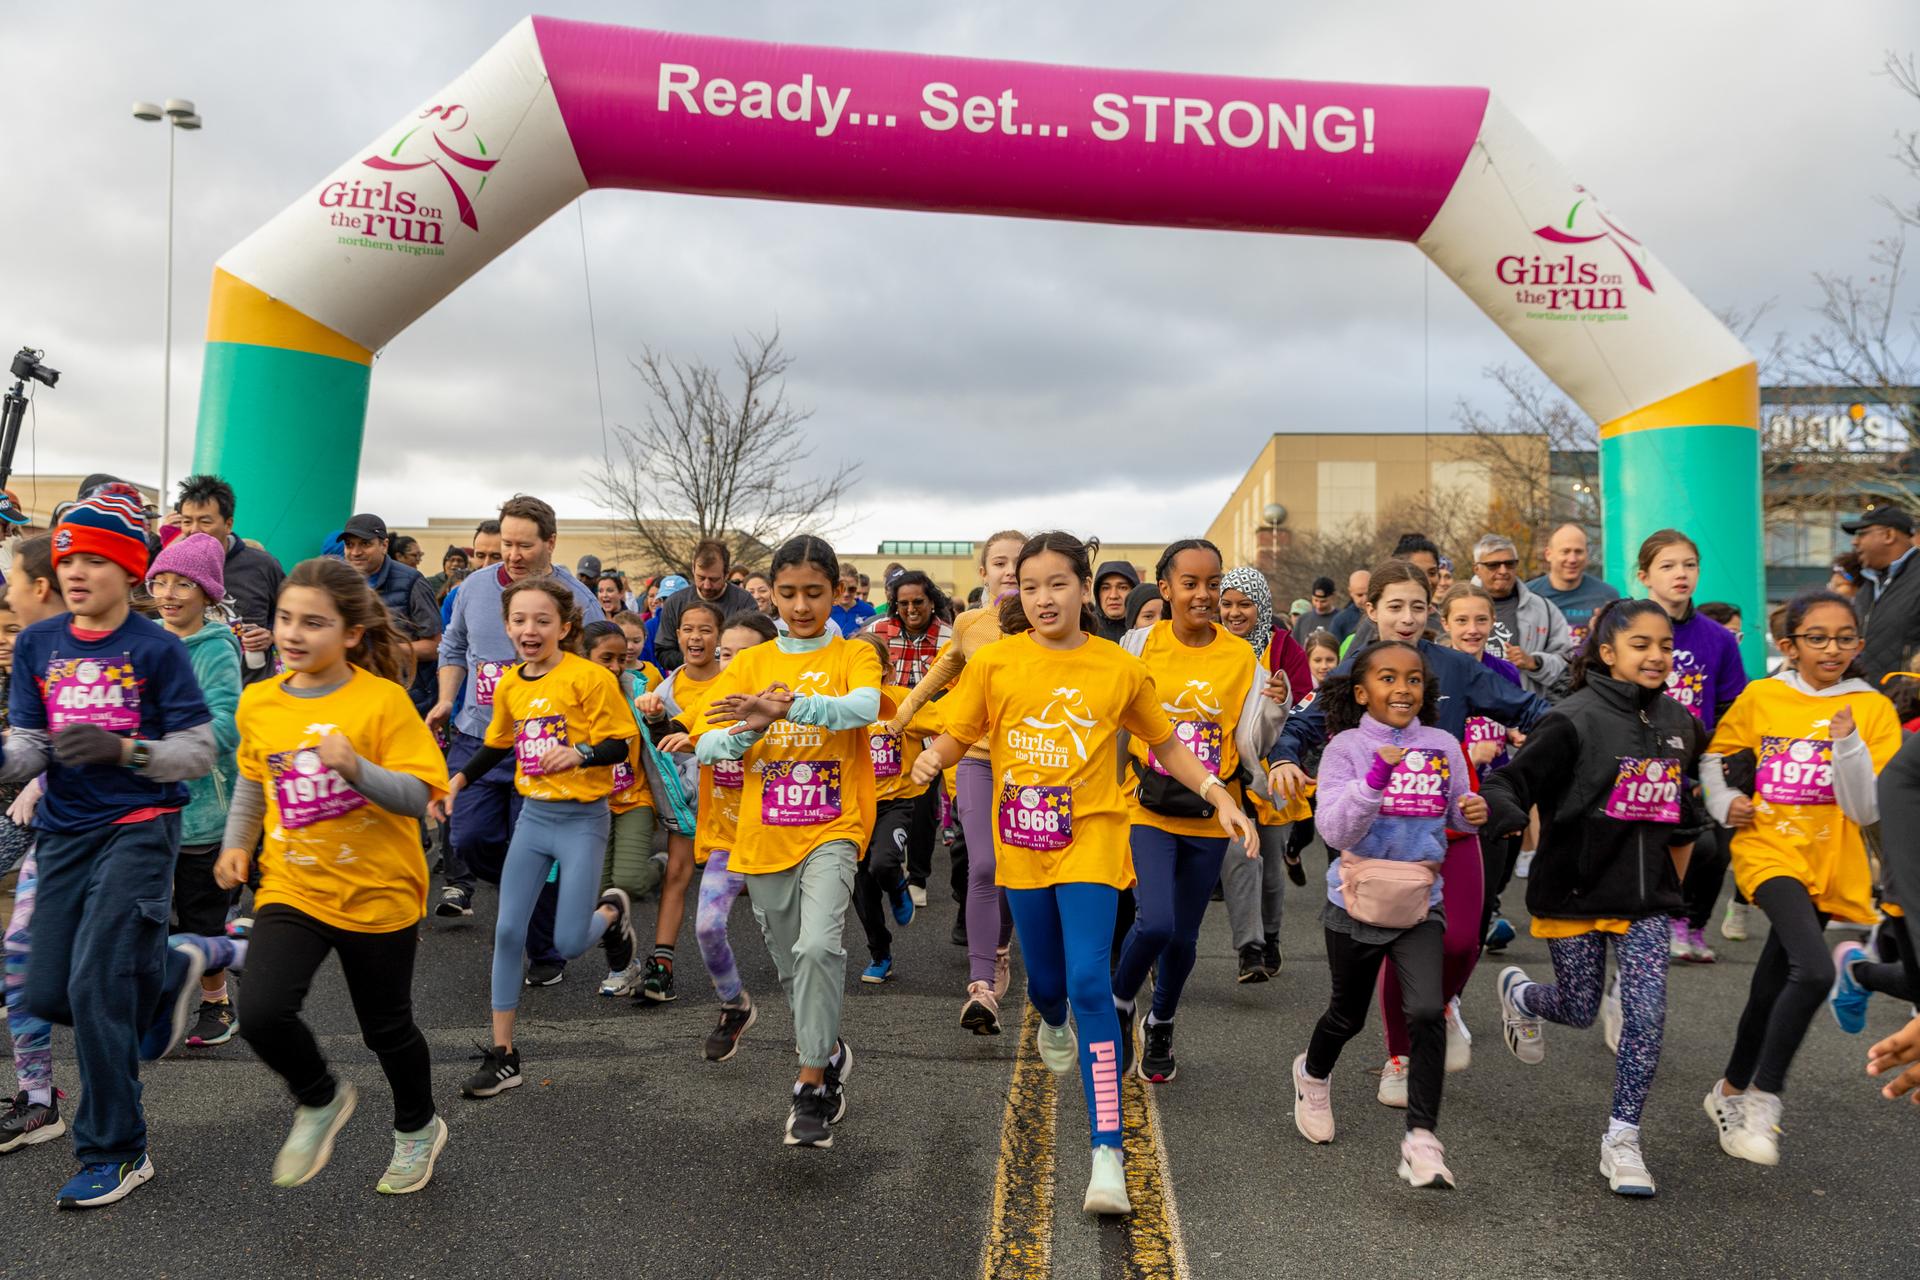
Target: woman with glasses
(1818, 734)
(1707, 677)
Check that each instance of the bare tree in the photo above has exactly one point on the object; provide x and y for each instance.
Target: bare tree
(1535, 428)
(709, 463)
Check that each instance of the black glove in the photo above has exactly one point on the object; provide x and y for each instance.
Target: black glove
(79, 744)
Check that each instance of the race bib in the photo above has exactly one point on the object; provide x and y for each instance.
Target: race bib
(799, 793)
(1688, 688)
(101, 692)
(730, 774)
(1481, 729)
(1202, 737)
(1036, 817)
(1645, 791)
(307, 791)
(1419, 785)
(532, 737)
(885, 750)
(485, 677)
(622, 778)
(1795, 771)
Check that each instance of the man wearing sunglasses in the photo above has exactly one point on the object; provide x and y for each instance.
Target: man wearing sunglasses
(1888, 599)
(1528, 630)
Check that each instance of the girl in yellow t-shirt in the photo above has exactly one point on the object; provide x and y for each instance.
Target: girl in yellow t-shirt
(1050, 701)
(796, 711)
(336, 768)
(1819, 734)
(563, 721)
(630, 864)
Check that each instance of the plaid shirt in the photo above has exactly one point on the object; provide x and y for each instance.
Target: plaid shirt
(911, 655)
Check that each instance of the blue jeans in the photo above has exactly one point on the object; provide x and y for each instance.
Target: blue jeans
(1176, 879)
(484, 816)
(1066, 938)
(99, 949)
(572, 834)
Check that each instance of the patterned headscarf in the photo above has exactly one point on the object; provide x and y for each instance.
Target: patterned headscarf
(1251, 583)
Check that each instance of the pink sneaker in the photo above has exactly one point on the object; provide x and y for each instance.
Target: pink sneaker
(1312, 1104)
(1697, 949)
(1423, 1161)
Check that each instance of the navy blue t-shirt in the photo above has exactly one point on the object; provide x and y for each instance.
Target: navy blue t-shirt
(138, 682)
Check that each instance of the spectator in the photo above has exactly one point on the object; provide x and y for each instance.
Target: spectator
(485, 554)
(453, 567)
(1343, 623)
(712, 562)
(252, 577)
(612, 593)
(1111, 583)
(850, 609)
(408, 551)
(1845, 579)
(912, 628)
(1528, 631)
(1577, 593)
(409, 600)
(1888, 594)
(760, 587)
(588, 571)
(1318, 615)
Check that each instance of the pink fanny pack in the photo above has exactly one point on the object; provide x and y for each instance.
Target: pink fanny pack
(1385, 893)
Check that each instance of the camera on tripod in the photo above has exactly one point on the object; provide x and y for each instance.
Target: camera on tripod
(26, 364)
(13, 405)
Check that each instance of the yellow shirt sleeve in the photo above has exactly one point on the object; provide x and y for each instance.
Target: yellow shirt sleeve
(1143, 716)
(500, 728)
(965, 709)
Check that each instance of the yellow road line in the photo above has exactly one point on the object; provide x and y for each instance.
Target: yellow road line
(1020, 1232)
(1154, 1249)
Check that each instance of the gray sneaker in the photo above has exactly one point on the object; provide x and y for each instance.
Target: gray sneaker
(310, 1144)
(414, 1155)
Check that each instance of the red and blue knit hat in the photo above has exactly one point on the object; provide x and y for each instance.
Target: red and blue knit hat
(110, 525)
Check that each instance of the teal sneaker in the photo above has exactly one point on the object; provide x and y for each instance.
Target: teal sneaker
(1848, 999)
(414, 1155)
(310, 1144)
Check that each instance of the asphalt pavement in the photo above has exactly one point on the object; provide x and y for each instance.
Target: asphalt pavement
(626, 1153)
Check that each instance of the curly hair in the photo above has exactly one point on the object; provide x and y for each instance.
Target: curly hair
(1343, 709)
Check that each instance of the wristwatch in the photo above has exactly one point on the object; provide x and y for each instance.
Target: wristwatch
(1210, 784)
(141, 756)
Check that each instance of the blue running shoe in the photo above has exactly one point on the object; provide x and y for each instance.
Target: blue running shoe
(1500, 934)
(101, 1184)
(1848, 999)
(186, 961)
(902, 907)
(879, 971)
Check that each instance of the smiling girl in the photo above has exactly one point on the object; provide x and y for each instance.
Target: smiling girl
(1466, 615)
(630, 864)
(562, 720)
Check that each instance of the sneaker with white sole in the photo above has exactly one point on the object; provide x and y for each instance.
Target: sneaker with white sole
(623, 982)
(1523, 864)
(917, 892)
(618, 941)
(414, 1155)
(1679, 942)
(1393, 1083)
(1059, 1048)
(1732, 1116)
(1733, 925)
(455, 903)
(1002, 973)
(1623, 1166)
(1759, 1140)
(1107, 1184)
(981, 1013)
(1459, 1039)
(1423, 1161)
(1847, 1000)
(101, 1184)
(309, 1143)
(1612, 1016)
(1312, 1104)
(1520, 1030)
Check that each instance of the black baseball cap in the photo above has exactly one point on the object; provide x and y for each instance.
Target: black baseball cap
(368, 528)
(1894, 518)
(589, 567)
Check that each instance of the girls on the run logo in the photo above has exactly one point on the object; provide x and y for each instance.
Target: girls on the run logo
(385, 215)
(1570, 285)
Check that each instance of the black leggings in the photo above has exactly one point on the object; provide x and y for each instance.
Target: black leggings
(286, 951)
(1791, 978)
(1706, 876)
(1355, 966)
(1896, 972)
(1499, 855)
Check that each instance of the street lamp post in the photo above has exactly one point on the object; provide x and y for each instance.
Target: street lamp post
(179, 114)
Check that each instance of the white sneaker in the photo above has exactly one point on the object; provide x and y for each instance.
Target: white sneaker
(1393, 1083)
(1059, 1047)
(1733, 1115)
(1733, 925)
(1679, 945)
(1621, 1163)
(1107, 1184)
(1423, 1161)
(918, 892)
(1523, 865)
(623, 982)
(1520, 1030)
(1312, 1104)
(1459, 1039)
(1612, 1016)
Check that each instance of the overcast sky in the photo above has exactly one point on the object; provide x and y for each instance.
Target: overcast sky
(984, 372)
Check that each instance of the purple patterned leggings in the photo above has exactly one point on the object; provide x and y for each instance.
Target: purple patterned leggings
(1573, 1000)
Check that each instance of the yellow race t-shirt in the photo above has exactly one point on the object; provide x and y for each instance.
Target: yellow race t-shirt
(630, 789)
(1798, 829)
(1202, 691)
(330, 852)
(894, 754)
(803, 785)
(1051, 719)
(576, 703)
(717, 815)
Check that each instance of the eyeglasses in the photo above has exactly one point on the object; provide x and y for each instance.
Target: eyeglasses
(1821, 640)
(1498, 564)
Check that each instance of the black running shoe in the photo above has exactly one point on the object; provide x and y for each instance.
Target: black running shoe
(1127, 1018)
(214, 1025)
(1270, 955)
(455, 903)
(836, 1082)
(1295, 871)
(544, 973)
(618, 939)
(499, 1071)
(1251, 969)
(724, 1039)
(1156, 1052)
(657, 986)
(809, 1123)
(28, 1124)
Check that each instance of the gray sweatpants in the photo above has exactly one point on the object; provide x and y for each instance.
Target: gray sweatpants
(1253, 886)
(802, 912)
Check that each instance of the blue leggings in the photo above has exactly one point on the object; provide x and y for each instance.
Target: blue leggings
(1066, 939)
(1573, 1000)
(1177, 875)
(574, 835)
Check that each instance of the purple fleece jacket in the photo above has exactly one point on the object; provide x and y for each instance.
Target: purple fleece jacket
(1347, 809)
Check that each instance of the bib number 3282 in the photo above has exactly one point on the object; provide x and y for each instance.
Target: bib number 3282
(1419, 786)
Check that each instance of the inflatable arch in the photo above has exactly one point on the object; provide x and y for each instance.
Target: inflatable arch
(556, 108)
